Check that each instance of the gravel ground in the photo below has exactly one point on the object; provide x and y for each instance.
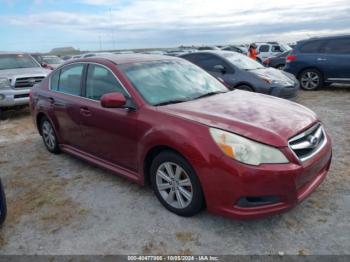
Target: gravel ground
(60, 205)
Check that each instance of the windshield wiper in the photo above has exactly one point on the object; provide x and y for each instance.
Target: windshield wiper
(209, 94)
(175, 101)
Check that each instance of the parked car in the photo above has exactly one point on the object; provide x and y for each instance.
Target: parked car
(270, 49)
(238, 71)
(52, 61)
(175, 52)
(18, 73)
(66, 57)
(154, 52)
(124, 52)
(320, 61)
(39, 58)
(94, 54)
(235, 48)
(3, 206)
(205, 48)
(76, 57)
(278, 61)
(165, 121)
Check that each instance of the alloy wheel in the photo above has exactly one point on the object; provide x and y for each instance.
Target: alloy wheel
(310, 80)
(174, 185)
(48, 135)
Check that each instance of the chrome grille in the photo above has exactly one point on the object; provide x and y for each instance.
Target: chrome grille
(308, 143)
(27, 82)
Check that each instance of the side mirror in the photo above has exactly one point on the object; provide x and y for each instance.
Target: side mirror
(44, 65)
(220, 69)
(113, 100)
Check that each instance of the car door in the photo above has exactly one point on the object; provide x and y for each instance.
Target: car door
(337, 59)
(108, 133)
(65, 100)
(210, 63)
(311, 55)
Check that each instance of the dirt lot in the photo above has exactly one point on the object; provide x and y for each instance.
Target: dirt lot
(61, 205)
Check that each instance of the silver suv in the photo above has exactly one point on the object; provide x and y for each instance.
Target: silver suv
(270, 49)
(18, 73)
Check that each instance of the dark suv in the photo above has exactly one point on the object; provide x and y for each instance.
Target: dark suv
(320, 61)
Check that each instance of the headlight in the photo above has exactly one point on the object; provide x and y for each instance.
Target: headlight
(266, 80)
(245, 150)
(4, 83)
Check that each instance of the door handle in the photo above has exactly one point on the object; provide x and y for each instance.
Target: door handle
(85, 111)
(51, 100)
(321, 59)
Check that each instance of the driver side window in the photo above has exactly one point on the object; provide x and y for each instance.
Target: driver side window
(101, 81)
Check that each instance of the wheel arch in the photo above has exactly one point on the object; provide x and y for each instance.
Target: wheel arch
(244, 84)
(151, 154)
(38, 120)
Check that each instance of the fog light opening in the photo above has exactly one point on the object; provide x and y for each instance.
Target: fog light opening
(257, 201)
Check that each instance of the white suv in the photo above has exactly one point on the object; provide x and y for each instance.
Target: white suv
(18, 73)
(270, 49)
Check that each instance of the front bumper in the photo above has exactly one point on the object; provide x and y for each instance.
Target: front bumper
(290, 183)
(14, 97)
(285, 92)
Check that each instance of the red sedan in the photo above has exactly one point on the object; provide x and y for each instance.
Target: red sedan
(165, 121)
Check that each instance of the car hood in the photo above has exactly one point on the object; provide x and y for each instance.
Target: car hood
(24, 72)
(275, 75)
(263, 118)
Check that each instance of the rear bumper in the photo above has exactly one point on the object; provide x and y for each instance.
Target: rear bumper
(289, 183)
(14, 97)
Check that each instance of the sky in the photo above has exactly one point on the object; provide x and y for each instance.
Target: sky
(40, 25)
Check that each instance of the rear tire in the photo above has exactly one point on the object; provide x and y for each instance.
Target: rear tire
(49, 136)
(280, 67)
(176, 185)
(311, 79)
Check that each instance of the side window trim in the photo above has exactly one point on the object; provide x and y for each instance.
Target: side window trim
(84, 77)
(114, 75)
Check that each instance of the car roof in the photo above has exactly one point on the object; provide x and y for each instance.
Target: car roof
(127, 58)
(324, 38)
(215, 52)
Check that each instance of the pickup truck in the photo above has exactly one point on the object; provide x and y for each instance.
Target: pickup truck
(18, 73)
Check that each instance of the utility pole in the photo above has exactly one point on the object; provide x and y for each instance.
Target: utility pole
(112, 29)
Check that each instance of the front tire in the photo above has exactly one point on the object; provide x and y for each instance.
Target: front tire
(311, 79)
(176, 185)
(49, 136)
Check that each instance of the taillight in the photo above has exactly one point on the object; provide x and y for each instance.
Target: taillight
(291, 58)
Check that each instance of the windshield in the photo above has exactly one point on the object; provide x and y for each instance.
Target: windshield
(242, 62)
(16, 61)
(160, 82)
(52, 60)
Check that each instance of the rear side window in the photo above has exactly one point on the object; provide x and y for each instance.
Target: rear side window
(101, 81)
(312, 47)
(338, 46)
(70, 80)
(276, 48)
(264, 48)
